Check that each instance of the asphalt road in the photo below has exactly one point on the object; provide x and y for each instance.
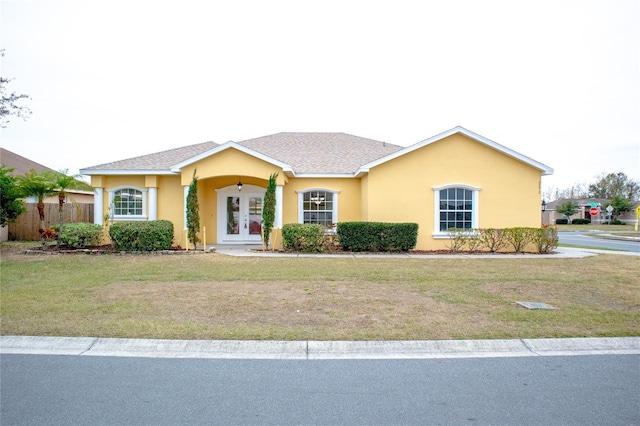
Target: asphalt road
(585, 240)
(71, 390)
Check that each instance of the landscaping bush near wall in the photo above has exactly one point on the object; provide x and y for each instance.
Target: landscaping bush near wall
(154, 235)
(580, 222)
(80, 235)
(303, 237)
(518, 240)
(562, 221)
(377, 236)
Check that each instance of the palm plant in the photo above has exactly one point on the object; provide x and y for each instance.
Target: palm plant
(62, 183)
(39, 186)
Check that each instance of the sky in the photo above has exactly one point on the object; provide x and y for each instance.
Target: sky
(557, 81)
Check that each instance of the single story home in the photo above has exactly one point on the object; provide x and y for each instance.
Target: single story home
(457, 178)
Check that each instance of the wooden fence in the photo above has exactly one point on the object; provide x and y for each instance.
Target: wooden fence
(25, 228)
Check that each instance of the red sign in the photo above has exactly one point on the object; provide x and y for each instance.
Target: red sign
(594, 211)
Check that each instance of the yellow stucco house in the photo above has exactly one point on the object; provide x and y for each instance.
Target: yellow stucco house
(454, 179)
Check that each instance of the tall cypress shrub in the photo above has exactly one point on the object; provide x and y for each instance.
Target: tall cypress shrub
(269, 209)
(193, 213)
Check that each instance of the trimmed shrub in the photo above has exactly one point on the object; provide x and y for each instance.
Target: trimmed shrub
(303, 237)
(80, 235)
(580, 222)
(377, 236)
(545, 239)
(519, 238)
(457, 239)
(562, 221)
(492, 238)
(617, 222)
(154, 235)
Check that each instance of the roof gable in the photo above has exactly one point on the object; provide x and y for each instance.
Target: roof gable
(230, 145)
(546, 170)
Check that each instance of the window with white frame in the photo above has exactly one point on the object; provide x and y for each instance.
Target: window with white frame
(127, 203)
(456, 207)
(318, 206)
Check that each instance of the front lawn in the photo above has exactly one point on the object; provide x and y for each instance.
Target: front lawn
(212, 296)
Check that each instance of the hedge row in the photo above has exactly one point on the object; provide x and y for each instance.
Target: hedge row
(377, 236)
(351, 236)
(141, 236)
(540, 240)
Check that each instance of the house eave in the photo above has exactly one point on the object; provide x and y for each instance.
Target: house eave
(137, 172)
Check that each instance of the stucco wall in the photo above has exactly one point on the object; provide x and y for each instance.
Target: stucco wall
(349, 206)
(402, 190)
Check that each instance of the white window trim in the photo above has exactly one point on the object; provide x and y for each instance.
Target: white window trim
(335, 197)
(114, 217)
(475, 216)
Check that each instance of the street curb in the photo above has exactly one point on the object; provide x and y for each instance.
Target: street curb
(316, 350)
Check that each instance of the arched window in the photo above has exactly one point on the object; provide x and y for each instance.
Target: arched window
(456, 206)
(128, 203)
(318, 205)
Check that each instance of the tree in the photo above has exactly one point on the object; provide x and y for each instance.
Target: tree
(269, 209)
(38, 185)
(568, 208)
(10, 103)
(11, 202)
(193, 213)
(62, 182)
(614, 184)
(620, 205)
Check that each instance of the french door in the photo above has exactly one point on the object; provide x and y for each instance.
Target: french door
(240, 215)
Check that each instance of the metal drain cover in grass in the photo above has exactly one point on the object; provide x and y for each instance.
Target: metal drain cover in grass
(535, 305)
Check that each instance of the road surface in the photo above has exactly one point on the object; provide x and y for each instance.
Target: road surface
(554, 390)
(584, 239)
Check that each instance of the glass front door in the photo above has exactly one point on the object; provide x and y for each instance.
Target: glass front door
(240, 217)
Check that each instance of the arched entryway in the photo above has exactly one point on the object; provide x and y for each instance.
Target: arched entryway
(240, 214)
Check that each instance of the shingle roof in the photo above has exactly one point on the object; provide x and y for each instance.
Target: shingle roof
(320, 152)
(20, 164)
(157, 161)
(314, 153)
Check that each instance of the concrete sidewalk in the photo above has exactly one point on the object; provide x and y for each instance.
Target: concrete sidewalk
(560, 253)
(316, 350)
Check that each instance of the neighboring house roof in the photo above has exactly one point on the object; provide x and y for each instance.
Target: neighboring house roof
(298, 153)
(582, 202)
(20, 164)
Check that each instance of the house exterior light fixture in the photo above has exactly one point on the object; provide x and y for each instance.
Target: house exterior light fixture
(544, 206)
(239, 185)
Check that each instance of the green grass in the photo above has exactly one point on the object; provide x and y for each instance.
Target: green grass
(212, 296)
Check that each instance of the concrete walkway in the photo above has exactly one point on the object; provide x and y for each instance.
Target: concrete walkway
(316, 350)
(560, 253)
